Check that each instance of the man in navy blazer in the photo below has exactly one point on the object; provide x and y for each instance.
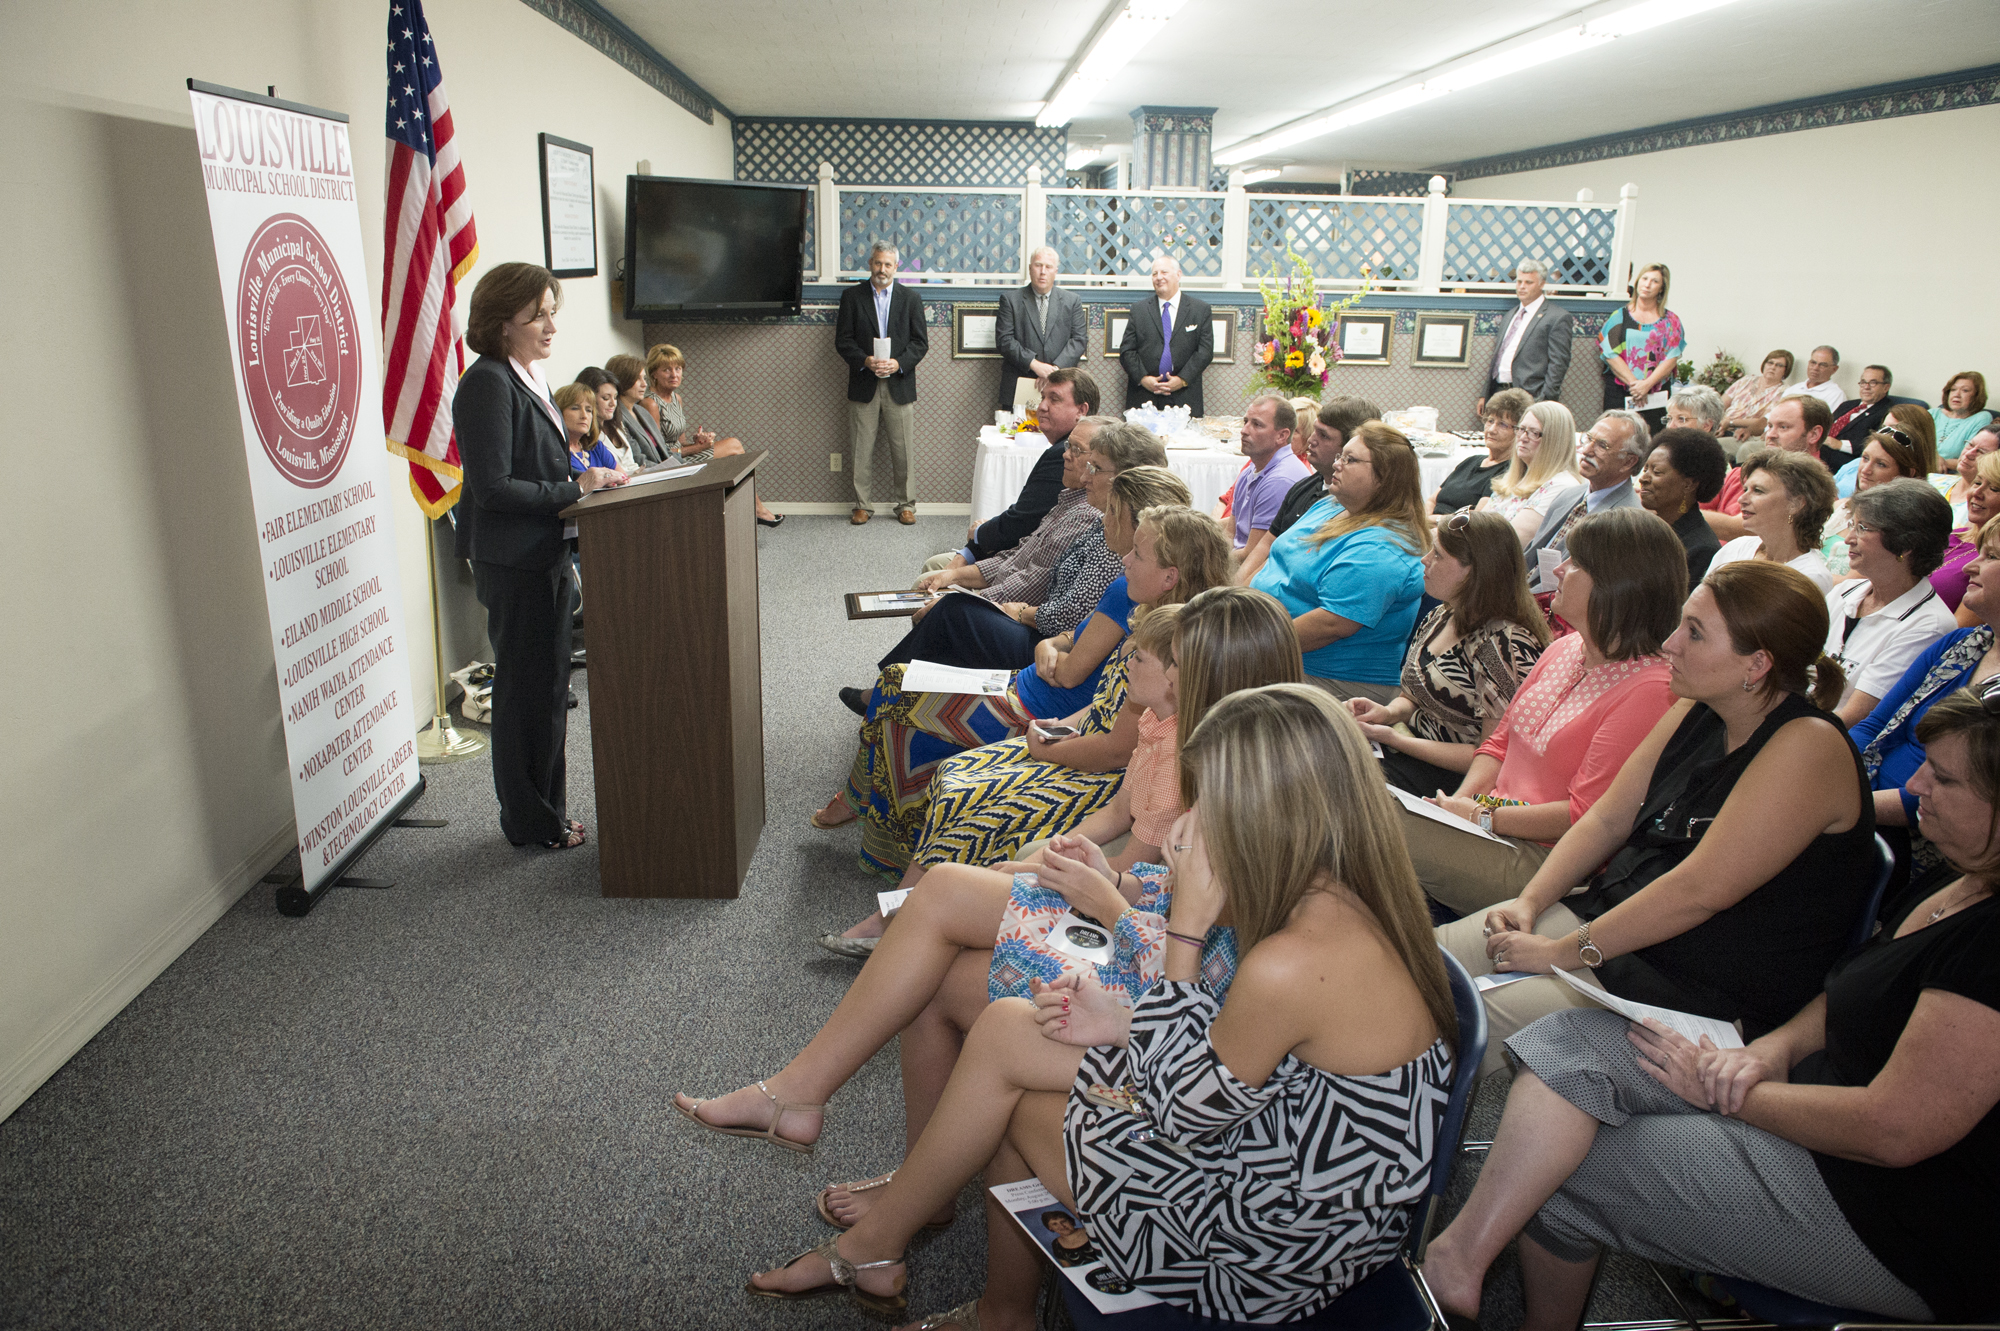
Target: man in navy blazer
(1162, 372)
(881, 390)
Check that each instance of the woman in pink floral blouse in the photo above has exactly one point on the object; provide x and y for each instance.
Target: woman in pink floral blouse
(1640, 345)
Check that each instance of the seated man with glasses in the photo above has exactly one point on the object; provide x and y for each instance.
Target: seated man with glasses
(1472, 480)
(1858, 417)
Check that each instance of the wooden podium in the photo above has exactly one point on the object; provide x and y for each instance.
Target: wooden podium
(676, 680)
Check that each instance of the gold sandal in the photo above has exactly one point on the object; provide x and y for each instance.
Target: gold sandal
(779, 1109)
(862, 1185)
(965, 1315)
(890, 1306)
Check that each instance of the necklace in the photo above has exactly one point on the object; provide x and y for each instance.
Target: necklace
(1939, 913)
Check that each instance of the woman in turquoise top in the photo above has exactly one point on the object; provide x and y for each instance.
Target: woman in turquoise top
(1640, 345)
(1350, 570)
(1963, 414)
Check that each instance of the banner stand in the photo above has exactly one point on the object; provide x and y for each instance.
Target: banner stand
(295, 899)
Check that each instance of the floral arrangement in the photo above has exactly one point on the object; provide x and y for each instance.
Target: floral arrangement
(1297, 353)
(1720, 372)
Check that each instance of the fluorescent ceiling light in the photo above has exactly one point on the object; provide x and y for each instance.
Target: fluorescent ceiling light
(1602, 23)
(1265, 173)
(1080, 157)
(1114, 44)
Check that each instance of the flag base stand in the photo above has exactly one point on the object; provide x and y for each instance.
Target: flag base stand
(441, 743)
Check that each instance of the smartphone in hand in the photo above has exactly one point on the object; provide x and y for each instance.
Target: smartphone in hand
(1054, 730)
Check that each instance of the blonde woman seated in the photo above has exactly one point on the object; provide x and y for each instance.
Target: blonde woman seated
(664, 410)
(1735, 841)
(1339, 1013)
(1846, 1157)
(1536, 484)
(1079, 676)
(1466, 660)
(1591, 698)
(1787, 498)
(1888, 454)
(933, 973)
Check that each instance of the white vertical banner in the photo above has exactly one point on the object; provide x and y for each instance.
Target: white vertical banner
(287, 230)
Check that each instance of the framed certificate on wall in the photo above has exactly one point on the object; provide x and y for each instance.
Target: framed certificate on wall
(1225, 337)
(1114, 329)
(1365, 338)
(1443, 339)
(569, 207)
(975, 332)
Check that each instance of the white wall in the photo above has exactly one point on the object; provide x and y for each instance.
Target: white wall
(1874, 237)
(145, 782)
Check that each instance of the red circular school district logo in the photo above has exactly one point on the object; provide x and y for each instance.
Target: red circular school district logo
(301, 353)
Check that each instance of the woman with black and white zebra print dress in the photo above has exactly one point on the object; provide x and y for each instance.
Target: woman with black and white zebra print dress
(1246, 1159)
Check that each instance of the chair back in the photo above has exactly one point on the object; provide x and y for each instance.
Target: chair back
(1885, 865)
(1472, 1037)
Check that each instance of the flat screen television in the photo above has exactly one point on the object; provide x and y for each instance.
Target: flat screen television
(712, 245)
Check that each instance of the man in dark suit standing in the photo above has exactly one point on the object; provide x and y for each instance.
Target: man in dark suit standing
(1161, 369)
(1040, 330)
(1533, 351)
(1857, 418)
(881, 390)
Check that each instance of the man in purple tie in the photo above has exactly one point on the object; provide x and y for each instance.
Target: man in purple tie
(1532, 351)
(1168, 342)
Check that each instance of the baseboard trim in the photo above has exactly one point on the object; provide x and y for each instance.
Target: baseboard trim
(45, 1057)
(842, 510)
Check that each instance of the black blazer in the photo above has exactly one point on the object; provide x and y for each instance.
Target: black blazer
(1870, 420)
(1038, 495)
(854, 339)
(516, 463)
(1193, 348)
(1061, 343)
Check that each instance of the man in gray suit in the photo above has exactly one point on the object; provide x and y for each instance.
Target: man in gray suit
(1617, 444)
(1533, 351)
(1041, 329)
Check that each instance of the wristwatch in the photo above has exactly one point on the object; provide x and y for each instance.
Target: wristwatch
(1486, 820)
(1586, 951)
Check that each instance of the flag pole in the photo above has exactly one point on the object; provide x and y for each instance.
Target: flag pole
(439, 742)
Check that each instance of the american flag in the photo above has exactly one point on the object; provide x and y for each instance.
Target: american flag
(429, 245)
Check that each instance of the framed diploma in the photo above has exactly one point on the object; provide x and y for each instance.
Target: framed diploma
(1365, 338)
(1443, 339)
(1225, 338)
(569, 207)
(1114, 329)
(975, 332)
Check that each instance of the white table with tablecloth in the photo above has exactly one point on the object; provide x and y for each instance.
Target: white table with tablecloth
(1001, 467)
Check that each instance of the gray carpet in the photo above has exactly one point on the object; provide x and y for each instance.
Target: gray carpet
(446, 1104)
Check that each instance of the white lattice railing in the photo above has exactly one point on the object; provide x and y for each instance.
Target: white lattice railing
(1110, 238)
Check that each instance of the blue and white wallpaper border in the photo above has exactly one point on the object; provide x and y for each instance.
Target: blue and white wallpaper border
(613, 39)
(1943, 92)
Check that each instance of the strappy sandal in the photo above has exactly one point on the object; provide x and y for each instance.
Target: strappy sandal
(572, 837)
(964, 1315)
(862, 1185)
(889, 1306)
(779, 1109)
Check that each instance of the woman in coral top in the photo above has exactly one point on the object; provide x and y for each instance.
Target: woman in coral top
(1590, 699)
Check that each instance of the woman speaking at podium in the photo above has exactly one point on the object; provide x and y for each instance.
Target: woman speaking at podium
(517, 480)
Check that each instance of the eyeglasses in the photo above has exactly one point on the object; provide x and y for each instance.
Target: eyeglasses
(1496, 423)
(1989, 695)
(1092, 469)
(1860, 528)
(1459, 523)
(1896, 434)
(1866, 382)
(1351, 460)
